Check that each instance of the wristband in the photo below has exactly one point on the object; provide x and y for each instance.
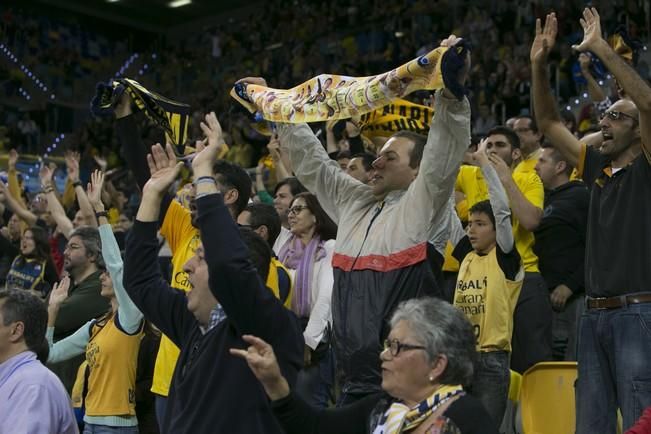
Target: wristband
(99, 214)
(204, 180)
(77, 184)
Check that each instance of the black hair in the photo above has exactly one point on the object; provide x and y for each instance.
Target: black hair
(419, 141)
(343, 154)
(18, 305)
(367, 160)
(264, 214)
(511, 136)
(483, 207)
(259, 251)
(231, 175)
(41, 243)
(532, 122)
(295, 186)
(324, 227)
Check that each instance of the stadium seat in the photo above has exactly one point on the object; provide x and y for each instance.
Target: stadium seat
(547, 398)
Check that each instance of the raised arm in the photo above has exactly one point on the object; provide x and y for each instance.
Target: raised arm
(72, 163)
(53, 205)
(143, 280)
(544, 106)
(232, 278)
(595, 92)
(280, 158)
(12, 177)
(500, 204)
(129, 317)
(17, 207)
(634, 85)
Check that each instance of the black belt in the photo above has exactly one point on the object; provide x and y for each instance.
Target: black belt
(617, 302)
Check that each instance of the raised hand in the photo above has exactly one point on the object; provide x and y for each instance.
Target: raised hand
(253, 80)
(13, 159)
(274, 147)
(591, 30)
(214, 136)
(502, 169)
(72, 164)
(163, 168)
(45, 174)
(261, 359)
(480, 156)
(59, 292)
(545, 38)
(94, 190)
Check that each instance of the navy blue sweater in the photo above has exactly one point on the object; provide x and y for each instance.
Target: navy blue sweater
(213, 391)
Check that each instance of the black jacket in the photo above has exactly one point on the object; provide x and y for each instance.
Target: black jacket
(213, 391)
(561, 236)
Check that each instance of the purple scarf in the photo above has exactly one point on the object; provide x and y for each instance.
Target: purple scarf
(302, 259)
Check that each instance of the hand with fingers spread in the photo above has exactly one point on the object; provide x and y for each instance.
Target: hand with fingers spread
(59, 292)
(214, 138)
(480, 156)
(163, 169)
(72, 164)
(45, 174)
(94, 190)
(592, 36)
(261, 359)
(13, 159)
(545, 38)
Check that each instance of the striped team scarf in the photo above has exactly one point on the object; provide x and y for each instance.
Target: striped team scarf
(400, 419)
(400, 115)
(172, 116)
(327, 96)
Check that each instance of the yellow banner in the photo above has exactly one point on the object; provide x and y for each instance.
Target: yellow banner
(398, 116)
(328, 97)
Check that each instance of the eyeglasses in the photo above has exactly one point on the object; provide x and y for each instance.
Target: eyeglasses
(297, 209)
(395, 347)
(616, 115)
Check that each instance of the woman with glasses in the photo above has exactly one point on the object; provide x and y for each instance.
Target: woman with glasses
(426, 363)
(307, 255)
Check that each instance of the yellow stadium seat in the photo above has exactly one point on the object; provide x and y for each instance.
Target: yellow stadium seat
(547, 398)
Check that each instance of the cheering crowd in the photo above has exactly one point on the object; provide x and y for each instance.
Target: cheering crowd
(352, 284)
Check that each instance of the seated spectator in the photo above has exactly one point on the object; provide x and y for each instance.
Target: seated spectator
(32, 398)
(110, 343)
(426, 363)
(308, 256)
(32, 268)
(226, 298)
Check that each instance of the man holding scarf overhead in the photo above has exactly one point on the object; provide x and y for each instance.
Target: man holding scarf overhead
(383, 253)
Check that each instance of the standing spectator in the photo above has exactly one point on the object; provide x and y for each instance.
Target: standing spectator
(489, 282)
(382, 255)
(308, 256)
(560, 247)
(9, 234)
(614, 339)
(532, 335)
(530, 140)
(227, 298)
(110, 343)
(32, 398)
(360, 167)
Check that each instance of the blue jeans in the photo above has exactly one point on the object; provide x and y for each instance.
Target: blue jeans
(614, 367)
(490, 383)
(90, 428)
(315, 383)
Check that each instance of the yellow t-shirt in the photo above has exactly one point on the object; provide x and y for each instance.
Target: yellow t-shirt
(471, 182)
(112, 358)
(529, 166)
(488, 298)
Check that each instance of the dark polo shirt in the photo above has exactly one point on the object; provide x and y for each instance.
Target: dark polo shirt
(618, 248)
